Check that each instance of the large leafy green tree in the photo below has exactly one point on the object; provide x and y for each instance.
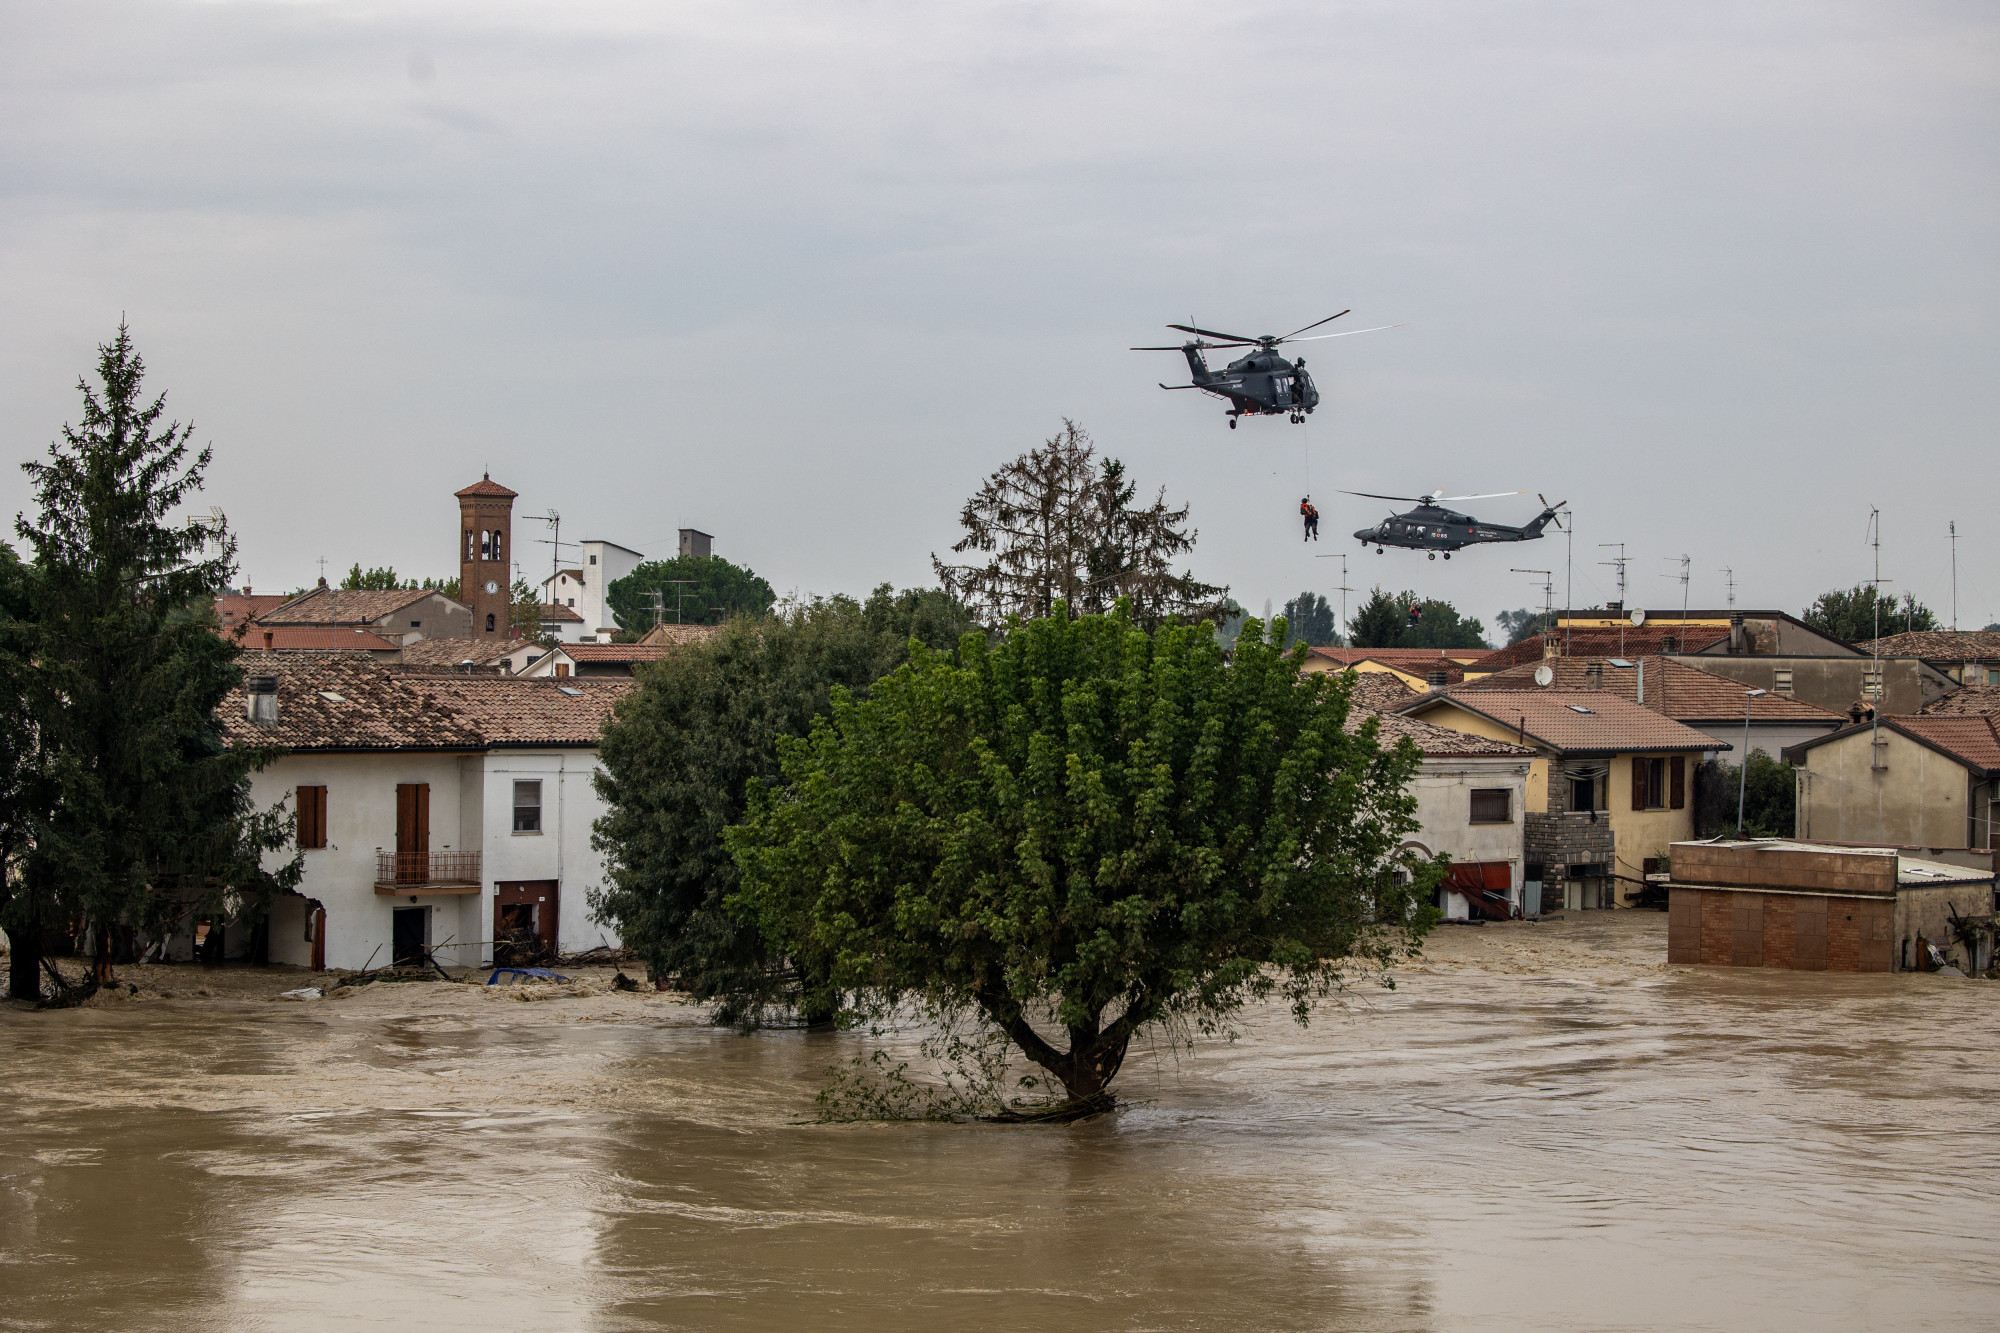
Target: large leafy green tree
(1085, 829)
(141, 815)
(699, 589)
(679, 753)
(1860, 613)
(1311, 621)
(1059, 524)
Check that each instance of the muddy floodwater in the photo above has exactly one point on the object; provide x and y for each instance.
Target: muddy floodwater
(1542, 1127)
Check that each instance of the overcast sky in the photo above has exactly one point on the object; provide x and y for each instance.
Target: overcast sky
(801, 274)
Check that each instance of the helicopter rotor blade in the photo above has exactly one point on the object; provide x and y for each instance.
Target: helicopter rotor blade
(1348, 333)
(1490, 495)
(1211, 333)
(1315, 324)
(1409, 499)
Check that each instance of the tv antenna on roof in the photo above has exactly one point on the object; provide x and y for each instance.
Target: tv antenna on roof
(1343, 590)
(1548, 603)
(1729, 574)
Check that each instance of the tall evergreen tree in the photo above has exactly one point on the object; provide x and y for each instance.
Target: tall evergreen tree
(141, 816)
(18, 789)
(1058, 524)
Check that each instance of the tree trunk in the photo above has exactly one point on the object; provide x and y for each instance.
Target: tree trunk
(101, 970)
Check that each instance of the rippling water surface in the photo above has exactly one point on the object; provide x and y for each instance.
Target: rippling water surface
(1542, 1129)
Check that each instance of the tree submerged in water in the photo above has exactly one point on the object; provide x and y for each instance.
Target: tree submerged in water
(1084, 830)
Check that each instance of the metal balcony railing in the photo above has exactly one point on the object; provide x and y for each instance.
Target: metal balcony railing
(405, 870)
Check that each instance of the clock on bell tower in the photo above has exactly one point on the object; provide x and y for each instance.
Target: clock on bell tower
(485, 550)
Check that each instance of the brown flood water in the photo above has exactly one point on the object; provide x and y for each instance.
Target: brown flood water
(1541, 1128)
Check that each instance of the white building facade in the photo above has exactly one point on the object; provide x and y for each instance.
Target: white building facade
(435, 813)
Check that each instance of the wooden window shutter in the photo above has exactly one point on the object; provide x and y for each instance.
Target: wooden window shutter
(1638, 782)
(1678, 767)
(312, 817)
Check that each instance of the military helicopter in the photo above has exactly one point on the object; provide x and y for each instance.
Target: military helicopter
(1261, 383)
(1433, 528)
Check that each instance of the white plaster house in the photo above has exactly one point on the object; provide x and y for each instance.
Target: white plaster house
(433, 808)
(1471, 792)
(581, 588)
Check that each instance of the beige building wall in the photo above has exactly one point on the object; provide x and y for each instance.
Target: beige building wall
(1644, 833)
(1320, 666)
(1918, 797)
(1536, 798)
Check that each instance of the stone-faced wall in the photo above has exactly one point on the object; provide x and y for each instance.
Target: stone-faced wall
(1556, 841)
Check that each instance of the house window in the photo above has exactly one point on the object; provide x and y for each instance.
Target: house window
(471, 547)
(1492, 805)
(593, 560)
(489, 622)
(572, 601)
(562, 668)
(1993, 675)
(1659, 784)
(1583, 794)
(312, 817)
(416, 624)
(1781, 680)
(1871, 684)
(527, 807)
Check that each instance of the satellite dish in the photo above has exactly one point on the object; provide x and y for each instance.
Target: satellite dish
(1637, 618)
(1544, 676)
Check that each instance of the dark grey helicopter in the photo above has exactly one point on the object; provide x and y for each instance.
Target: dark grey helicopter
(1433, 528)
(1260, 383)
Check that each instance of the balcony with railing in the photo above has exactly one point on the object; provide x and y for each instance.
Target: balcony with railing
(427, 872)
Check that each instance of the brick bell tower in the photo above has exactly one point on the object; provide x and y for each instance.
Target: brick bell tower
(485, 550)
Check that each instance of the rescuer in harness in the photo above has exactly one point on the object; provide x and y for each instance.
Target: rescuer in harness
(1311, 517)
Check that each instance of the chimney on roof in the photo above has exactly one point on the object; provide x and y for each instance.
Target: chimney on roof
(1552, 646)
(267, 640)
(1735, 632)
(1437, 679)
(1642, 680)
(1593, 676)
(260, 700)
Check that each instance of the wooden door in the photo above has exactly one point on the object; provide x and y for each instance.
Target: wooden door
(413, 832)
(529, 903)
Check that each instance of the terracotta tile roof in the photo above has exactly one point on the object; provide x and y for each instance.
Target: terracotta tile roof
(1380, 691)
(1673, 689)
(343, 606)
(487, 486)
(1574, 721)
(371, 710)
(340, 702)
(612, 653)
(550, 611)
(313, 639)
(1433, 740)
(1973, 739)
(1970, 699)
(451, 652)
(1416, 660)
(1629, 642)
(520, 710)
(1939, 645)
(233, 608)
(678, 634)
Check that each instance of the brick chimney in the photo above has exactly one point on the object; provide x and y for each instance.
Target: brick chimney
(486, 545)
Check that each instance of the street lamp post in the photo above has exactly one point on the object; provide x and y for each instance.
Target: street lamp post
(1743, 773)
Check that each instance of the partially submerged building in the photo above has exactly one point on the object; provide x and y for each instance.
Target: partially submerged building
(1607, 792)
(1930, 779)
(1821, 907)
(436, 811)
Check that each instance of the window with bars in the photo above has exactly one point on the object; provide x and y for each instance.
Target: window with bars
(1492, 805)
(1781, 680)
